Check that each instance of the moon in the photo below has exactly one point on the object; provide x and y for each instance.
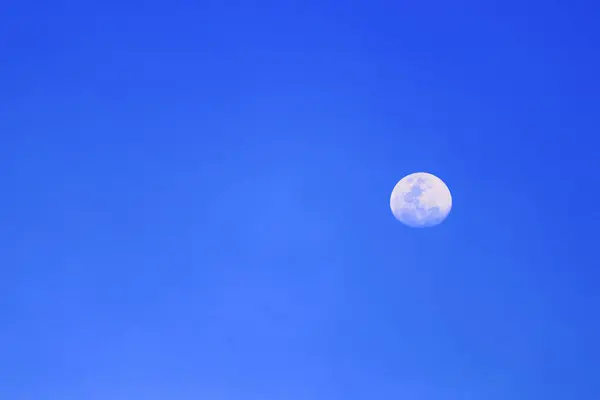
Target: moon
(421, 200)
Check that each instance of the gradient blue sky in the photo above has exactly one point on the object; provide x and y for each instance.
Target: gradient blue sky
(195, 200)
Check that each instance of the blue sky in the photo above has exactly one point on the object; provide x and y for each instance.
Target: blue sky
(195, 200)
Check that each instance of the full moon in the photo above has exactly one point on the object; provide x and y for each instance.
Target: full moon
(421, 200)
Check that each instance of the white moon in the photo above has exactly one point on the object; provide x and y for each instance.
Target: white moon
(421, 200)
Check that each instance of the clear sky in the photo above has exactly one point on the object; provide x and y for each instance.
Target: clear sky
(195, 200)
